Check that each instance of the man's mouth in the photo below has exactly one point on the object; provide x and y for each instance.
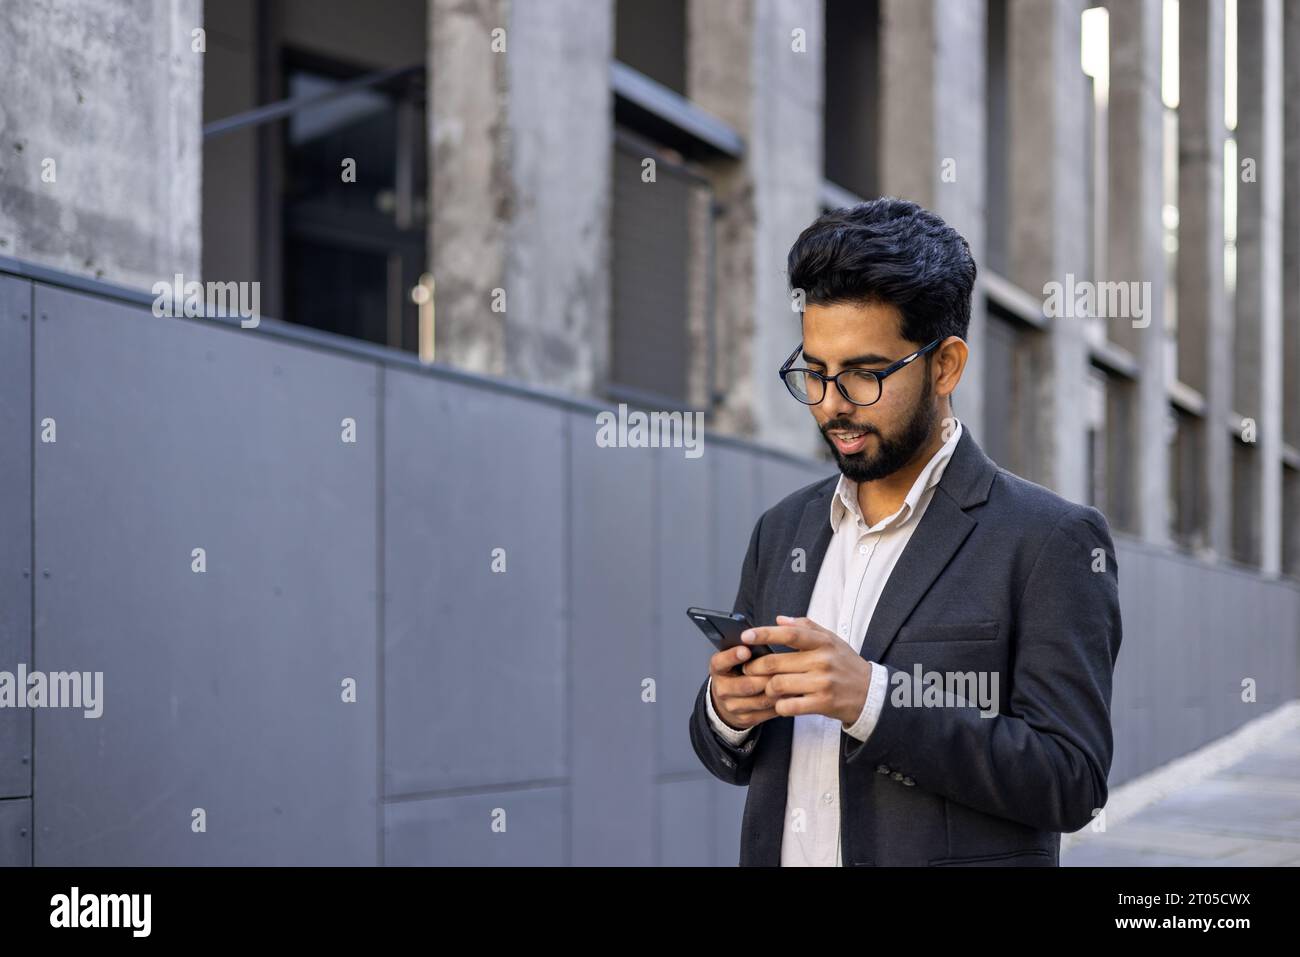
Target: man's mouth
(848, 442)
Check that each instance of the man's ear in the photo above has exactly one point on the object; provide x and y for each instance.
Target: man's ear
(950, 361)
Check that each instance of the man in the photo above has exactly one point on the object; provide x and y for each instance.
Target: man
(947, 630)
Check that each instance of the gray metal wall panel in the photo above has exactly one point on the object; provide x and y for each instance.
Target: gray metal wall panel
(1197, 615)
(474, 659)
(223, 689)
(777, 478)
(685, 828)
(1192, 632)
(728, 812)
(15, 525)
(1279, 657)
(1166, 669)
(613, 648)
(733, 509)
(682, 559)
(16, 833)
(458, 831)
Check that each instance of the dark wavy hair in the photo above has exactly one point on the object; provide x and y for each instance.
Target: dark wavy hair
(888, 251)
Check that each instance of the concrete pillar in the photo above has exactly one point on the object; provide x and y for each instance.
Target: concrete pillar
(932, 146)
(231, 234)
(1047, 217)
(720, 79)
(1204, 333)
(470, 193)
(561, 128)
(1291, 281)
(102, 145)
(1258, 381)
(759, 66)
(1136, 232)
(786, 163)
(525, 135)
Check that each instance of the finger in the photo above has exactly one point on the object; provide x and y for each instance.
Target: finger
(758, 717)
(791, 662)
(742, 686)
(799, 704)
(749, 705)
(723, 662)
(793, 684)
(799, 637)
(806, 624)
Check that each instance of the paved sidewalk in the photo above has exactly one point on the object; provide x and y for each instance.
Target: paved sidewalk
(1247, 814)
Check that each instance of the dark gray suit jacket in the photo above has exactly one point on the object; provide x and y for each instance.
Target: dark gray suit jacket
(1000, 575)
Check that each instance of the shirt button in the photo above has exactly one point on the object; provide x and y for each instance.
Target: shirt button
(862, 549)
(828, 797)
(882, 769)
(897, 775)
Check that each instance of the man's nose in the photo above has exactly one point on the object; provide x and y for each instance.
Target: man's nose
(834, 405)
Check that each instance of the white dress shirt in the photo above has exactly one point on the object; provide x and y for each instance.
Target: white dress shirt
(853, 574)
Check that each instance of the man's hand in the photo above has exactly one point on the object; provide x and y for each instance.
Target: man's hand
(823, 675)
(738, 699)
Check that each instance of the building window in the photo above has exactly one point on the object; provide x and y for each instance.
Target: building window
(650, 37)
(850, 115)
(1291, 521)
(1245, 502)
(315, 161)
(1111, 475)
(997, 141)
(354, 246)
(656, 230)
(663, 337)
(1009, 391)
(1186, 494)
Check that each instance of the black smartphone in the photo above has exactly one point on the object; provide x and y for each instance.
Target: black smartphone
(723, 629)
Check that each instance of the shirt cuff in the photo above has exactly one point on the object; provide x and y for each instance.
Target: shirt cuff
(727, 733)
(866, 723)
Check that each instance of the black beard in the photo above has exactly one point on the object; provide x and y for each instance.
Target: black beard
(891, 454)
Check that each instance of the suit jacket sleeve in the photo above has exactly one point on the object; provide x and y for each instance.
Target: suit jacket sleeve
(728, 762)
(1045, 760)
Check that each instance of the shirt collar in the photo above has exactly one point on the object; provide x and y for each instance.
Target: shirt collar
(845, 500)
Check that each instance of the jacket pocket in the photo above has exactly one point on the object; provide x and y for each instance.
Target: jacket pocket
(1033, 857)
(950, 631)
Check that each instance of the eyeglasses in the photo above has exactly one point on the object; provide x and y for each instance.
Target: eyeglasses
(859, 386)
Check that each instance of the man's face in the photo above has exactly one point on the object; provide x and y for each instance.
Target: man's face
(869, 442)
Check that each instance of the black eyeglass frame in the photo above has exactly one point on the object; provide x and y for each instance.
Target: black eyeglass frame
(878, 374)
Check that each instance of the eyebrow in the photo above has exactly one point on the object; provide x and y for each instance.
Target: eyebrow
(868, 359)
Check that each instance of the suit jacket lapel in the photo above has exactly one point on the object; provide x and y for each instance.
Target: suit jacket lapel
(942, 530)
(794, 588)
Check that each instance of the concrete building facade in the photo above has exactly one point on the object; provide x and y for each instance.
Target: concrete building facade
(601, 196)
